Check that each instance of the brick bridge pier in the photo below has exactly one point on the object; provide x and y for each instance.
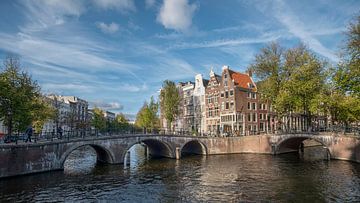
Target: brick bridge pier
(40, 157)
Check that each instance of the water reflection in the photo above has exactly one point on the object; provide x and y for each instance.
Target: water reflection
(222, 178)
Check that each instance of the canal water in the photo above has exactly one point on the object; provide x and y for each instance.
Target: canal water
(218, 178)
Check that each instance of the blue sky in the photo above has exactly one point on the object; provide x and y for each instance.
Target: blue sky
(116, 53)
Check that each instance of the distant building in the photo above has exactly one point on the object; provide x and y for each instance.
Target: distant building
(110, 116)
(212, 103)
(199, 104)
(73, 113)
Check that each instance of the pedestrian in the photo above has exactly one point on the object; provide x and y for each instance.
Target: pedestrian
(60, 132)
(29, 133)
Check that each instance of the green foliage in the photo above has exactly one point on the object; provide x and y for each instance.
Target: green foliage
(169, 101)
(268, 68)
(120, 122)
(147, 116)
(41, 112)
(20, 99)
(291, 79)
(99, 120)
(347, 77)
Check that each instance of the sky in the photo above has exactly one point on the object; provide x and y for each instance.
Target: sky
(117, 53)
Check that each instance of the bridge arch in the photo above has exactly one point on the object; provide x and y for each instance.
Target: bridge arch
(156, 148)
(103, 154)
(292, 144)
(194, 147)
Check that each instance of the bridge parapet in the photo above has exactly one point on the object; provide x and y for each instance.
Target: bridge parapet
(46, 156)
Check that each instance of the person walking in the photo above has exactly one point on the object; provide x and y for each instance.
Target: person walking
(60, 132)
(29, 133)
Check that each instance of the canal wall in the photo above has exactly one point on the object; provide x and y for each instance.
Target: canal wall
(246, 144)
(345, 148)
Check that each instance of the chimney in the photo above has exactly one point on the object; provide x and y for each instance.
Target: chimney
(249, 72)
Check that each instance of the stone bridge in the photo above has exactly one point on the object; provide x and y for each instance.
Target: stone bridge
(40, 157)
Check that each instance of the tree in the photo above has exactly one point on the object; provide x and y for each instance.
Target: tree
(20, 98)
(99, 120)
(147, 116)
(121, 122)
(345, 95)
(42, 111)
(169, 101)
(290, 79)
(268, 68)
(347, 76)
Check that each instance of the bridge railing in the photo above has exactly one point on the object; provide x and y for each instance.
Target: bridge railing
(51, 136)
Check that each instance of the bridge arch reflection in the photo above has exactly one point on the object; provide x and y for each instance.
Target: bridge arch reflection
(155, 148)
(293, 144)
(103, 155)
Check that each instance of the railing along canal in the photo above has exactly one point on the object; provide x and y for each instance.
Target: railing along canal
(53, 136)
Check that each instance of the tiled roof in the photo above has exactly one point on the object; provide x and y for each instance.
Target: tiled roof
(241, 79)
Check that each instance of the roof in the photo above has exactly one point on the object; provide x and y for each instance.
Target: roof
(218, 78)
(205, 82)
(242, 80)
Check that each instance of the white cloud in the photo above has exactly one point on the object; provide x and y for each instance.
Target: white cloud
(149, 3)
(176, 14)
(121, 5)
(107, 28)
(106, 106)
(125, 87)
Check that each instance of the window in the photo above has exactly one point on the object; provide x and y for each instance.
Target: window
(222, 94)
(253, 95)
(254, 106)
(231, 105)
(261, 126)
(225, 75)
(231, 92)
(226, 94)
(249, 117)
(222, 106)
(225, 83)
(249, 95)
(254, 117)
(227, 105)
(261, 116)
(249, 106)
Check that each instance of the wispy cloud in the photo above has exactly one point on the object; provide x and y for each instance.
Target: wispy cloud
(121, 5)
(107, 28)
(149, 3)
(228, 42)
(61, 88)
(176, 15)
(295, 26)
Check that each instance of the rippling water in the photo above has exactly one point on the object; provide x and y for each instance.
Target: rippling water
(220, 178)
